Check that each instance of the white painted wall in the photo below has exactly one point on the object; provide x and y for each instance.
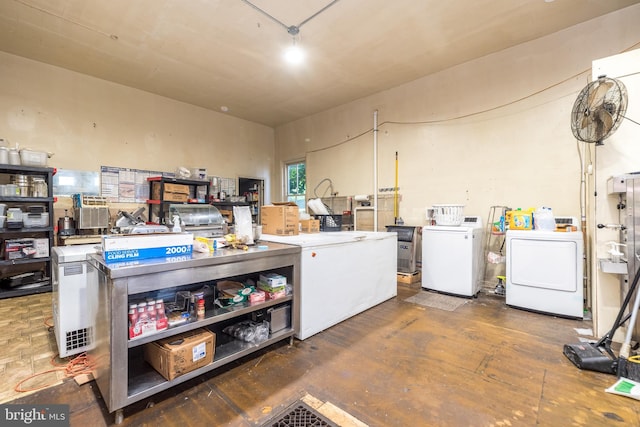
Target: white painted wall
(88, 122)
(493, 131)
(619, 155)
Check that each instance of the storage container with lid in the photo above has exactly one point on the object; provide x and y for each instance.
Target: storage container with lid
(4, 155)
(38, 187)
(14, 156)
(35, 219)
(22, 182)
(14, 218)
(33, 158)
(11, 190)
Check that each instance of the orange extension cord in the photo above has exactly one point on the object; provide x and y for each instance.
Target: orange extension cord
(81, 364)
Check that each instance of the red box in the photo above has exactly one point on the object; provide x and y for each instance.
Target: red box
(277, 294)
(257, 296)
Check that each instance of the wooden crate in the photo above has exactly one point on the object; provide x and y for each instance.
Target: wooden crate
(410, 278)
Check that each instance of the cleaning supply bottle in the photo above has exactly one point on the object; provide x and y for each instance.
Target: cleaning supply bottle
(176, 224)
(543, 219)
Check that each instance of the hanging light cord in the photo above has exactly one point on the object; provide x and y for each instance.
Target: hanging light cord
(291, 29)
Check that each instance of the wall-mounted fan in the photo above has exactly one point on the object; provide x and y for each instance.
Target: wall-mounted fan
(598, 110)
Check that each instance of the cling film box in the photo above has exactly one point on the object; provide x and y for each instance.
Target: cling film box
(133, 247)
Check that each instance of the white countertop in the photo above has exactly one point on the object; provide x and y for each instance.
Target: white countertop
(328, 237)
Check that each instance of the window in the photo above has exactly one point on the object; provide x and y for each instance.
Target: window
(296, 184)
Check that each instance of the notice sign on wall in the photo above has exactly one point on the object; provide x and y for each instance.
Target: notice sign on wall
(124, 185)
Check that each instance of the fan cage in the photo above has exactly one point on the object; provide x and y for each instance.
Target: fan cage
(592, 105)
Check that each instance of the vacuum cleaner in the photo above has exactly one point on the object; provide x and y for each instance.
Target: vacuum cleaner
(598, 356)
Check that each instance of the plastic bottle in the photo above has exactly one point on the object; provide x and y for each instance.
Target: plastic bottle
(161, 317)
(176, 224)
(544, 219)
(134, 330)
(143, 315)
(151, 310)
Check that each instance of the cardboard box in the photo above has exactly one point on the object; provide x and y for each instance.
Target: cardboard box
(268, 288)
(26, 248)
(257, 296)
(275, 294)
(310, 225)
(172, 192)
(273, 280)
(410, 278)
(179, 354)
(129, 247)
(199, 173)
(280, 219)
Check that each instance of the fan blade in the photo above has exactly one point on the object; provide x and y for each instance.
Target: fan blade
(585, 121)
(605, 117)
(598, 94)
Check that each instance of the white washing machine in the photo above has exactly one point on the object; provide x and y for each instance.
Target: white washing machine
(544, 271)
(452, 257)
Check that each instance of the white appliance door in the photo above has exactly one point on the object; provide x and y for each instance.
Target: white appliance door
(543, 264)
(447, 261)
(339, 281)
(545, 274)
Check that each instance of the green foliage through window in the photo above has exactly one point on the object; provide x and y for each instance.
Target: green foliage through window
(297, 179)
(297, 184)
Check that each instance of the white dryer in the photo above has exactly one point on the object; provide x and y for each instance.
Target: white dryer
(544, 271)
(452, 257)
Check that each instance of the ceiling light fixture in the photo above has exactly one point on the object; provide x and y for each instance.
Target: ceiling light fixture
(294, 54)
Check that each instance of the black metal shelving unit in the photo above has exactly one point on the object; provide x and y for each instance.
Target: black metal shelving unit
(38, 268)
(253, 190)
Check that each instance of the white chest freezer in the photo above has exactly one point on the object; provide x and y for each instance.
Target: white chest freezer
(342, 274)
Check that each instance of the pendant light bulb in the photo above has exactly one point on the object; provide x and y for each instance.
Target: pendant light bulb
(294, 54)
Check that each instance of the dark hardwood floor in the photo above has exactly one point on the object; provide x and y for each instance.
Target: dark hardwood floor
(397, 364)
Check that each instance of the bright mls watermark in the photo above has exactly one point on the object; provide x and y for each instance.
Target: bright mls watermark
(34, 415)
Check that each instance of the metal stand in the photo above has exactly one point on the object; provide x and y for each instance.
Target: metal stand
(494, 244)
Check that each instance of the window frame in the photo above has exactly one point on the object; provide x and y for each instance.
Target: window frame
(299, 199)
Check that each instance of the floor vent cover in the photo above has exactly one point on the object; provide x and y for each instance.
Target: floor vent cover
(299, 415)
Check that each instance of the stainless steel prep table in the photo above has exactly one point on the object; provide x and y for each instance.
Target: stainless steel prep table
(120, 376)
